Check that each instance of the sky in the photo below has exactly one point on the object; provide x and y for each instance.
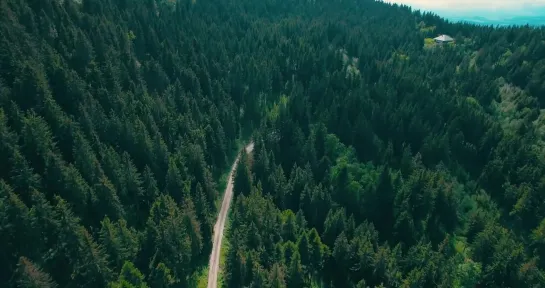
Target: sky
(500, 7)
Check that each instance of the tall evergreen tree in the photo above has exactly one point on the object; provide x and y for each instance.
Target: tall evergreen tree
(31, 276)
(242, 182)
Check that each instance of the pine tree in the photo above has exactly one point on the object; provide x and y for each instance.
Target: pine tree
(160, 276)
(334, 225)
(242, 182)
(277, 277)
(383, 217)
(79, 260)
(91, 267)
(167, 238)
(108, 203)
(341, 256)
(150, 188)
(279, 185)
(193, 228)
(132, 193)
(85, 159)
(303, 247)
(15, 224)
(296, 276)
(24, 178)
(68, 183)
(176, 185)
(289, 226)
(129, 277)
(28, 275)
(318, 252)
(261, 162)
(45, 223)
(204, 217)
(37, 139)
(119, 242)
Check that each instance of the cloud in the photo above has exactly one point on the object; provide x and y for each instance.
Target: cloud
(471, 5)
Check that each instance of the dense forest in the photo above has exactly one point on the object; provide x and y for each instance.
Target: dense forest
(381, 159)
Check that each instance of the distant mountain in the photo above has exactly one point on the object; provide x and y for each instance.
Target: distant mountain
(520, 14)
(533, 17)
(516, 20)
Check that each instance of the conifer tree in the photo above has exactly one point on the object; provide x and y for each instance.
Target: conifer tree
(28, 275)
(242, 182)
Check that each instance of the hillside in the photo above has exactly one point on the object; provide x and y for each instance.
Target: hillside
(502, 21)
(378, 161)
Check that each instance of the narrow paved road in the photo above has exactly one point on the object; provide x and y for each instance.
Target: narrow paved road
(213, 266)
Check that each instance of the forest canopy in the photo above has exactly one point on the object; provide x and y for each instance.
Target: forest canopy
(381, 159)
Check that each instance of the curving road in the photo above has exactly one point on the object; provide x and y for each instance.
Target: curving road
(214, 264)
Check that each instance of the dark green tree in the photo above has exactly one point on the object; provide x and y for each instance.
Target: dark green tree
(28, 275)
(242, 180)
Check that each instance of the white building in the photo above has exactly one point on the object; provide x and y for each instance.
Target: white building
(443, 39)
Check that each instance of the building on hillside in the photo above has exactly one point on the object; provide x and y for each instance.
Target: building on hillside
(443, 39)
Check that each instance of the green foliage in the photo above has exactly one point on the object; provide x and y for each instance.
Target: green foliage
(377, 163)
(129, 277)
(429, 43)
(390, 166)
(30, 276)
(468, 274)
(172, 237)
(120, 241)
(242, 182)
(161, 276)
